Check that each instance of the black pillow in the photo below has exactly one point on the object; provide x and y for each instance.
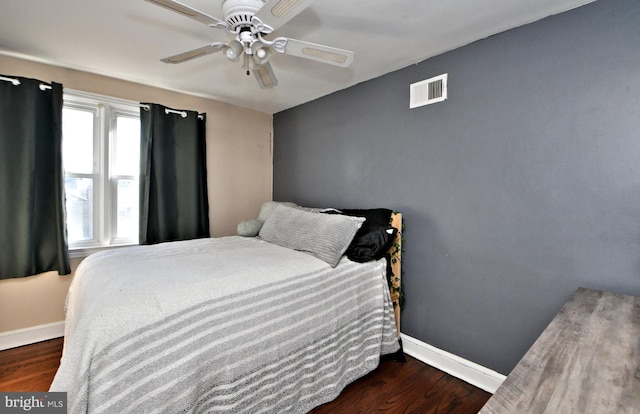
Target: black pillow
(372, 245)
(374, 239)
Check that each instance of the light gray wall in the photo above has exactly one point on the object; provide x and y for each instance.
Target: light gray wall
(521, 187)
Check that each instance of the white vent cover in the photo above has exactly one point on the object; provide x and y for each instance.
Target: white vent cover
(428, 91)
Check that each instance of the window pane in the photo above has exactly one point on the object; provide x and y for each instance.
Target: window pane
(79, 193)
(77, 134)
(101, 140)
(127, 206)
(127, 146)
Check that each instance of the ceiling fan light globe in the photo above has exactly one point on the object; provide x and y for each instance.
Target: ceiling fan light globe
(261, 54)
(231, 54)
(233, 50)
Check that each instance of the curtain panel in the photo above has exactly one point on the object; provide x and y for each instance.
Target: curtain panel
(173, 175)
(32, 202)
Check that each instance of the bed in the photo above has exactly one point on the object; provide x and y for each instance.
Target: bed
(278, 323)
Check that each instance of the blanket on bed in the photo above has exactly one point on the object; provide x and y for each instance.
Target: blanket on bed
(227, 325)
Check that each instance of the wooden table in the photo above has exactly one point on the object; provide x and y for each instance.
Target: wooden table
(587, 361)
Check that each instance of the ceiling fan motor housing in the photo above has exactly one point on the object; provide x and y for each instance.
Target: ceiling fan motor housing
(239, 12)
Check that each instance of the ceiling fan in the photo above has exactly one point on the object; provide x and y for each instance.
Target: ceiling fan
(249, 21)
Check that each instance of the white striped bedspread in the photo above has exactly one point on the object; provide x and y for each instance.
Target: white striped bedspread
(220, 325)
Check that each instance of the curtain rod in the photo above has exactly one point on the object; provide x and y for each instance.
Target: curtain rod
(16, 82)
(170, 111)
(44, 86)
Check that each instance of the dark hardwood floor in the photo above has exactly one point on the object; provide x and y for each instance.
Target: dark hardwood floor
(395, 387)
(30, 367)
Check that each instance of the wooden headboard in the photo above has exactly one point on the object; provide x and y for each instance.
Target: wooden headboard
(396, 266)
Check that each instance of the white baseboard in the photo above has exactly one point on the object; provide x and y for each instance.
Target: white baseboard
(31, 335)
(468, 371)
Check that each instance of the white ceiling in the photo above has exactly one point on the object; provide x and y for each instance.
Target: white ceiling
(126, 39)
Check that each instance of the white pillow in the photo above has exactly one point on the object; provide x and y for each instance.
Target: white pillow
(325, 236)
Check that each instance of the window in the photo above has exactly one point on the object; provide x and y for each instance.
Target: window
(101, 155)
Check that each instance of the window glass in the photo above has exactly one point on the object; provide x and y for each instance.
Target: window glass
(127, 209)
(79, 193)
(77, 131)
(127, 146)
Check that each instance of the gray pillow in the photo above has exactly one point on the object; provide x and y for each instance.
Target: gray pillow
(325, 236)
(249, 228)
(268, 207)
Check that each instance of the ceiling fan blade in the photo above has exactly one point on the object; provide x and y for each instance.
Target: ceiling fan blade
(320, 53)
(195, 53)
(187, 11)
(265, 76)
(276, 13)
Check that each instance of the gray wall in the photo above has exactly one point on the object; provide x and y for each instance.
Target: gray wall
(521, 187)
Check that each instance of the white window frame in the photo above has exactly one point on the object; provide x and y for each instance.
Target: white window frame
(106, 110)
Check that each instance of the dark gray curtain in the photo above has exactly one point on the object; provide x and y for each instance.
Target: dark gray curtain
(32, 205)
(173, 176)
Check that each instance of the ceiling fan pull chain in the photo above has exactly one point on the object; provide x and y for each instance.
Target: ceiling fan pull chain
(245, 64)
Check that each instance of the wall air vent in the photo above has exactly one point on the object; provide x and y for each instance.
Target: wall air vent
(428, 91)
